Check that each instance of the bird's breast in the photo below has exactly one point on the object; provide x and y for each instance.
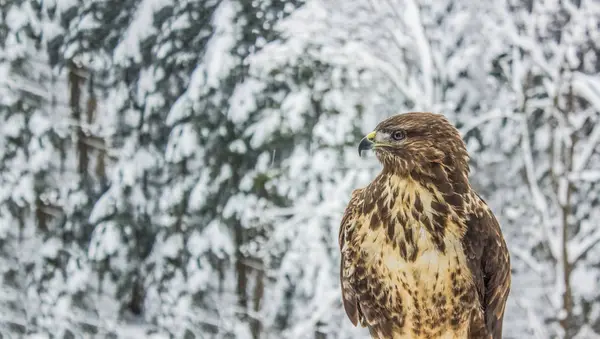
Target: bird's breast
(421, 267)
(426, 283)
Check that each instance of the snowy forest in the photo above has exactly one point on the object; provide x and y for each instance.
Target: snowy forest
(179, 168)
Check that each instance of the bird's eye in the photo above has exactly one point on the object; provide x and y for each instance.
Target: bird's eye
(398, 135)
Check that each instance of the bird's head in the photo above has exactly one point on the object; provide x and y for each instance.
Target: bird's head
(415, 141)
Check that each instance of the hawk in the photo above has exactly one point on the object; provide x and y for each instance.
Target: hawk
(422, 255)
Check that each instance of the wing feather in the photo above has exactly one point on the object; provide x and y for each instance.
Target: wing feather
(489, 261)
(348, 296)
(497, 278)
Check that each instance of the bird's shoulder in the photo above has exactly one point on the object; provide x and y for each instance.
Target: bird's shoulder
(481, 224)
(350, 213)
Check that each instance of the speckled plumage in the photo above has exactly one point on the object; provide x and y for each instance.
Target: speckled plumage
(422, 254)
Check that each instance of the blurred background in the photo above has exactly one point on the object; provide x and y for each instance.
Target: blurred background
(179, 168)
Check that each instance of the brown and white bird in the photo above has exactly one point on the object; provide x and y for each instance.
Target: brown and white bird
(422, 255)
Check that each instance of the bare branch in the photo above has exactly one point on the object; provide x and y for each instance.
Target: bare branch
(537, 324)
(423, 47)
(496, 114)
(589, 89)
(539, 201)
(527, 259)
(590, 175)
(584, 247)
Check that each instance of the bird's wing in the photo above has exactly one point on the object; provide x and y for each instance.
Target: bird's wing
(346, 225)
(489, 261)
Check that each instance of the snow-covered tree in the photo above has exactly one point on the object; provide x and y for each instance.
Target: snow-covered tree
(150, 62)
(45, 201)
(547, 64)
(17, 197)
(219, 181)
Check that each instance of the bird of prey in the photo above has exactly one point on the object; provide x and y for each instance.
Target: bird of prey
(422, 255)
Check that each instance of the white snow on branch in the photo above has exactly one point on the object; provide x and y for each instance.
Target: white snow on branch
(588, 87)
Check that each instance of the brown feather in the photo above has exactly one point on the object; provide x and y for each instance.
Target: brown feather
(487, 250)
(348, 295)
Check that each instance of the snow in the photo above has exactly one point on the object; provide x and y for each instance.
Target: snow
(172, 246)
(181, 109)
(39, 124)
(105, 241)
(212, 238)
(184, 145)
(260, 133)
(13, 126)
(87, 22)
(199, 193)
(50, 248)
(238, 146)
(22, 193)
(79, 276)
(139, 29)
(137, 163)
(294, 106)
(243, 100)
(217, 60)
(105, 206)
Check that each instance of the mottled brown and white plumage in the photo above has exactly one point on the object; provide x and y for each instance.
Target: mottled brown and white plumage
(422, 255)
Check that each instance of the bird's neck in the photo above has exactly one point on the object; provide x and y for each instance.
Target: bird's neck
(437, 184)
(407, 207)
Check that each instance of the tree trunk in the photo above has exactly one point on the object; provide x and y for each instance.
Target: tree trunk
(76, 80)
(567, 322)
(255, 324)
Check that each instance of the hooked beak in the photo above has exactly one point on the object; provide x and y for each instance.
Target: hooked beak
(366, 143)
